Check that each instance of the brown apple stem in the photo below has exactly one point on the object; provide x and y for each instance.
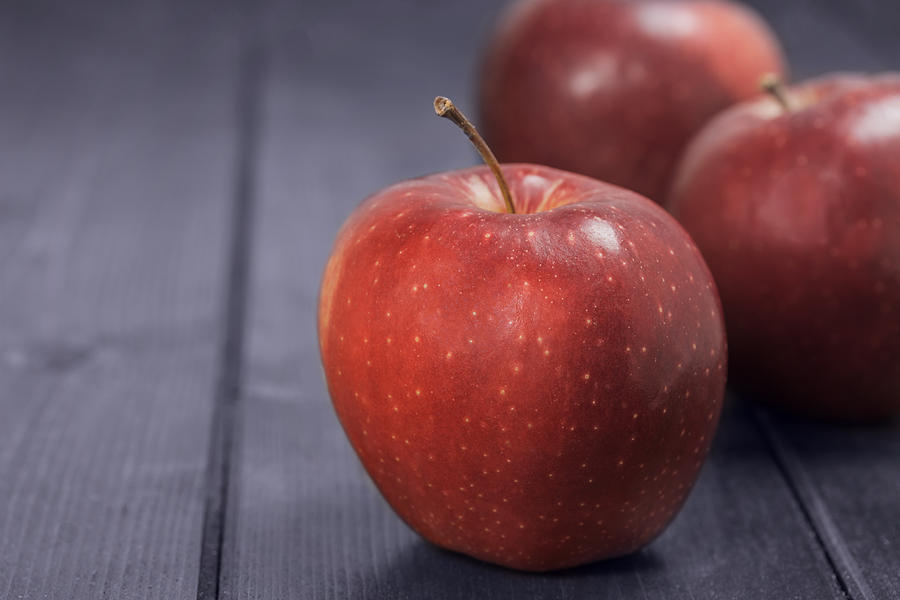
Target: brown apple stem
(772, 85)
(444, 107)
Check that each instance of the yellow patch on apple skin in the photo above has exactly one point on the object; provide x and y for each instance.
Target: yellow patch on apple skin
(548, 200)
(329, 286)
(482, 195)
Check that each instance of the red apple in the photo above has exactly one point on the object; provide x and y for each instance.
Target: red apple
(797, 210)
(617, 88)
(538, 389)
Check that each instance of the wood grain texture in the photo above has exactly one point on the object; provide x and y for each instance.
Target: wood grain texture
(117, 138)
(848, 482)
(304, 519)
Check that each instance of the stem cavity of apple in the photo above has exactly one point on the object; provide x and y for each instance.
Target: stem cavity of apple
(444, 107)
(771, 84)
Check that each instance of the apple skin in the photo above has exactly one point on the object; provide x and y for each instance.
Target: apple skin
(616, 89)
(798, 215)
(536, 390)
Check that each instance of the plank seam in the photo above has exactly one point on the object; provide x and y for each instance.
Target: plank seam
(230, 374)
(840, 559)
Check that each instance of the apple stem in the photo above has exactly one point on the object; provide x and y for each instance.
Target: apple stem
(772, 85)
(444, 107)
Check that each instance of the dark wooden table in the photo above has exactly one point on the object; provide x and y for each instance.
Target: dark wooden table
(172, 175)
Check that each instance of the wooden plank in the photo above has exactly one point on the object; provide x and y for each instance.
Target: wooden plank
(876, 23)
(848, 480)
(817, 42)
(117, 139)
(347, 111)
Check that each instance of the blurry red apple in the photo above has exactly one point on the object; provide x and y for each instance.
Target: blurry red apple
(616, 88)
(797, 210)
(538, 389)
